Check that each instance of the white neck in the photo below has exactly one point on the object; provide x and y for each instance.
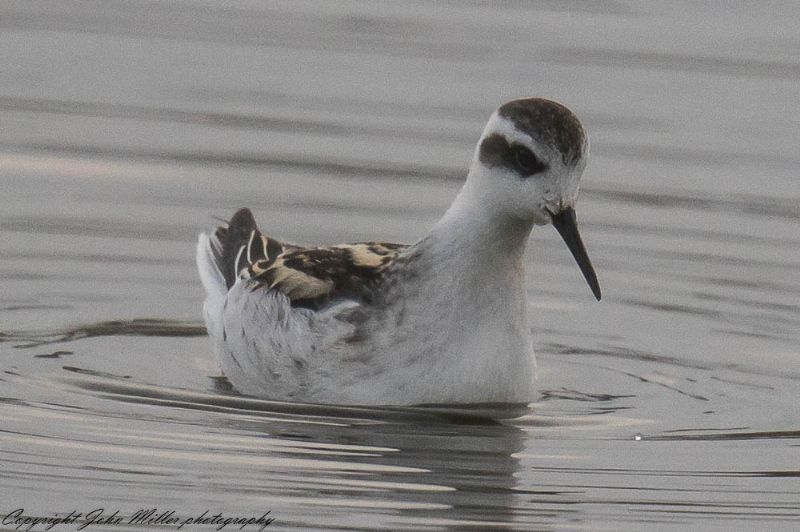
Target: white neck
(478, 234)
(461, 331)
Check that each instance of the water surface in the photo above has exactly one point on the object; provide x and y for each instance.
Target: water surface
(127, 126)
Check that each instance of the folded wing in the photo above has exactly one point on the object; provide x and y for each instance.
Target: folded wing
(309, 277)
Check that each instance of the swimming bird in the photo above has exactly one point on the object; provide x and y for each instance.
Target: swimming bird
(443, 320)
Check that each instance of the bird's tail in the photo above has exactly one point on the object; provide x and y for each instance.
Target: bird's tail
(217, 256)
(208, 251)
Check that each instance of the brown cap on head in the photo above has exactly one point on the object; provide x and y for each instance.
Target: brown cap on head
(549, 122)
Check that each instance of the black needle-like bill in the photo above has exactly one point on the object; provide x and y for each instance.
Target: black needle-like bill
(567, 226)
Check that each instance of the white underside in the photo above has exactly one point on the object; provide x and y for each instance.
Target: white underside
(420, 350)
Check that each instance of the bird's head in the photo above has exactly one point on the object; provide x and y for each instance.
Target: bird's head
(528, 166)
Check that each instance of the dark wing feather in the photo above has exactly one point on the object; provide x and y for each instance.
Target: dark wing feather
(307, 276)
(242, 244)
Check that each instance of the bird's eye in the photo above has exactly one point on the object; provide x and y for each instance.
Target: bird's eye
(526, 161)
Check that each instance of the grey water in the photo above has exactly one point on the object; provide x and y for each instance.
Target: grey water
(127, 127)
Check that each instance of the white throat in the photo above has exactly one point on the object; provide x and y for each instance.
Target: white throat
(472, 289)
(479, 230)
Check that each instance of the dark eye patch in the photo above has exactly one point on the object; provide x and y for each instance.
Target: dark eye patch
(527, 163)
(495, 150)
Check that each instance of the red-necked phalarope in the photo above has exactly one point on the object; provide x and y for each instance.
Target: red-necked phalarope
(444, 320)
